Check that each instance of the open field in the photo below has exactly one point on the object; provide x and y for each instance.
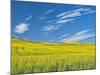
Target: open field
(33, 57)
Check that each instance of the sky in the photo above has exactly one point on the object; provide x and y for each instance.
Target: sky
(51, 22)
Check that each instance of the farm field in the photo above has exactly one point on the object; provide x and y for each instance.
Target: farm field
(36, 57)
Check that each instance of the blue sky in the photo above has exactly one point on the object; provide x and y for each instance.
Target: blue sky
(50, 22)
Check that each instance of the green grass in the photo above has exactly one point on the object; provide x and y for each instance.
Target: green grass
(36, 57)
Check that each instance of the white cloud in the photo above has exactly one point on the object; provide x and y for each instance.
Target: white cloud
(54, 25)
(65, 20)
(43, 16)
(81, 9)
(62, 36)
(69, 12)
(61, 14)
(89, 12)
(78, 36)
(28, 18)
(74, 14)
(49, 11)
(65, 17)
(48, 28)
(82, 32)
(21, 28)
(55, 39)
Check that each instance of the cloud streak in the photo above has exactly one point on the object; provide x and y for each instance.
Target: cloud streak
(64, 18)
(78, 36)
(65, 21)
(75, 14)
(43, 16)
(59, 38)
(50, 28)
(63, 36)
(89, 12)
(28, 18)
(49, 11)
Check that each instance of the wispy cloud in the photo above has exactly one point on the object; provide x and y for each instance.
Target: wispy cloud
(50, 28)
(58, 38)
(21, 28)
(82, 32)
(28, 18)
(89, 12)
(49, 11)
(65, 17)
(43, 16)
(64, 21)
(63, 36)
(78, 36)
(74, 14)
(82, 9)
(62, 14)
